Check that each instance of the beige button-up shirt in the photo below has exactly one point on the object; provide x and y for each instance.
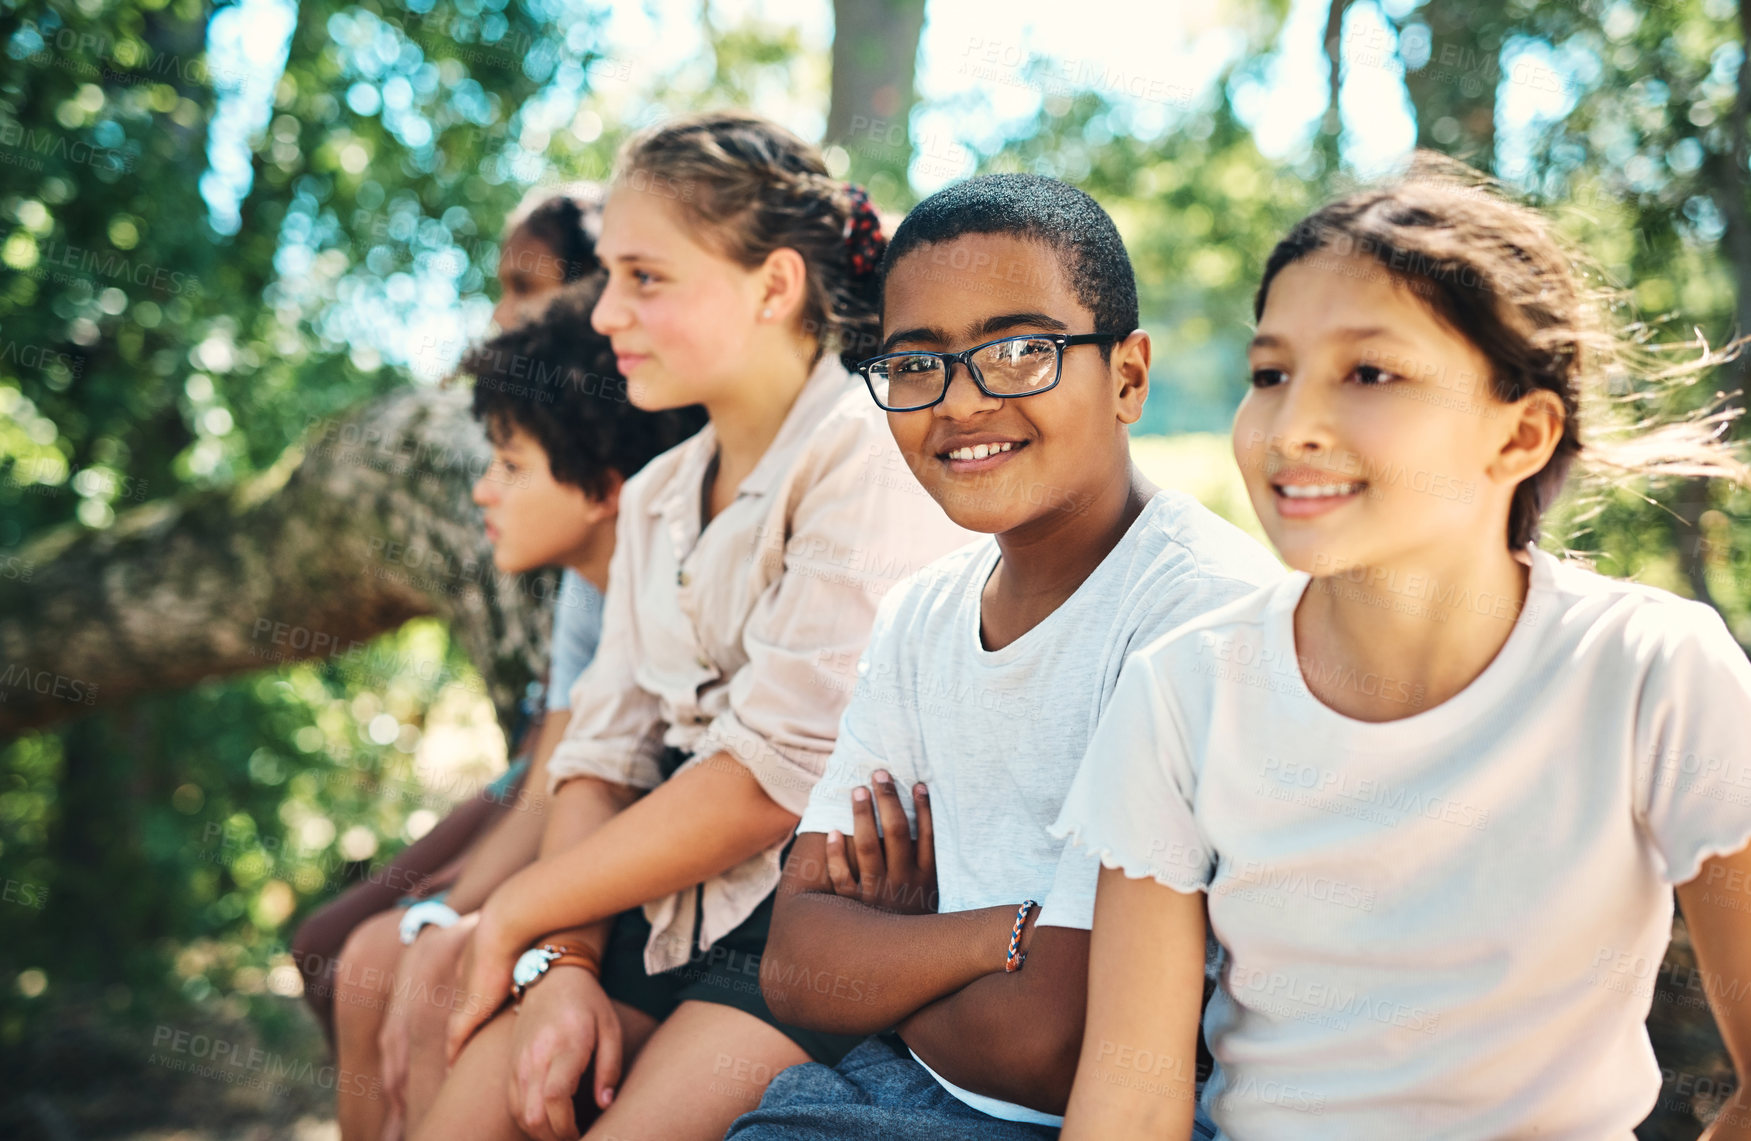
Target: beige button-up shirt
(744, 638)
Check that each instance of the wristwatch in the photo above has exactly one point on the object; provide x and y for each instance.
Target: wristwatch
(537, 961)
(427, 912)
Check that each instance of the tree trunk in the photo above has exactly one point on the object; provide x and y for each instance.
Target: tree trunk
(1459, 80)
(367, 523)
(1331, 128)
(875, 62)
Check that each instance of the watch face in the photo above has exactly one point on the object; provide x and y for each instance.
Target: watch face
(531, 964)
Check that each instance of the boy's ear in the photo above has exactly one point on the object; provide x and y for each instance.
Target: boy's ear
(607, 504)
(1130, 371)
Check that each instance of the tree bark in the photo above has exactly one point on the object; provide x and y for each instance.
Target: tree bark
(875, 63)
(365, 524)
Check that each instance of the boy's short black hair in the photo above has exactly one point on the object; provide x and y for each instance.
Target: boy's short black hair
(556, 379)
(1041, 209)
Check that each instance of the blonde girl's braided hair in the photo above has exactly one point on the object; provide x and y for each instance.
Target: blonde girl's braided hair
(747, 187)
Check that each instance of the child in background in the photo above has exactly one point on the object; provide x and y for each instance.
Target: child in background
(747, 569)
(1012, 366)
(564, 440)
(549, 242)
(1438, 786)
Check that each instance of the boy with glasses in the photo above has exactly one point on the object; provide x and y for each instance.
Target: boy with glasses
(1012, 366)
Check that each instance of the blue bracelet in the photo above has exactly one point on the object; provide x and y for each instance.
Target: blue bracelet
(1017, 958)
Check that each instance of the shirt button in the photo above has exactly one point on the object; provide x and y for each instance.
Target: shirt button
(682, 578)
(704, 662)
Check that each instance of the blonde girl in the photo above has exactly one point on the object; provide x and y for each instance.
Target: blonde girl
(746, 571)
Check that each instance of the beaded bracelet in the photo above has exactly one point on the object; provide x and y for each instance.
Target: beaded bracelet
(1017, 958)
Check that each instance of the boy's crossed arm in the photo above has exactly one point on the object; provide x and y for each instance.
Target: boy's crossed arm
(857, 947)
(1027, 1025)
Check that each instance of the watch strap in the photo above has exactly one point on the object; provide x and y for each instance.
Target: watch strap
(574, 953)
(563, 953)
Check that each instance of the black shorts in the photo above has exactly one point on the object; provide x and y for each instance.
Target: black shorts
(727, 973)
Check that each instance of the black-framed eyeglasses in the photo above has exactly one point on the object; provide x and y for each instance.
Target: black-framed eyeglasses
(1023, 365)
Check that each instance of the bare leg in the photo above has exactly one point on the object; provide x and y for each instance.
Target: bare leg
(317, 943)
(473, 1104)
(706, 1065)
(474, 1100)
(428, 1024)
(362, 986)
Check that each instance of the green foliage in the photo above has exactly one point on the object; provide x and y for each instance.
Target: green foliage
(1647, 175)
(243, 804)
(1200, 208)
(144, 352)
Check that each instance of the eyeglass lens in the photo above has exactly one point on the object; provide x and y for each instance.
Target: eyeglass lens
(1013, 367)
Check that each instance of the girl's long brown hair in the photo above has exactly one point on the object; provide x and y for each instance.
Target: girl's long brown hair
(1495, 273)
(749, 187)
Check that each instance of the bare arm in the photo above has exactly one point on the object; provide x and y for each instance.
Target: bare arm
(578, 810)
(1027, 1025)
(845, 967)
(1137, 1072)
(700, 822)
(695, 825)
(1721, 933)
(514, 839)
(1002, 1034)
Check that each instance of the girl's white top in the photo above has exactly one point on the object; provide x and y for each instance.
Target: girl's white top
(1448, 925)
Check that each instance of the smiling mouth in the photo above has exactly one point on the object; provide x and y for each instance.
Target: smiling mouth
(981, 451)
(1317, 490)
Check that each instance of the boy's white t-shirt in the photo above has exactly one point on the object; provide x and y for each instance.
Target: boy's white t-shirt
(1449, 925)
(997, 735)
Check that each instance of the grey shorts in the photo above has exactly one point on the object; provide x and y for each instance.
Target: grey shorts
(879, 1092)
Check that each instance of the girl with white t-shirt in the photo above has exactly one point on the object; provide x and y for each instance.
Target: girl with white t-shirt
(1435, 790)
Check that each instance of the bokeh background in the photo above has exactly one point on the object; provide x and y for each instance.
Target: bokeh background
(236, 240)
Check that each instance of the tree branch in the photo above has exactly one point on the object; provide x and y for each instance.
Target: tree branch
(365, 524)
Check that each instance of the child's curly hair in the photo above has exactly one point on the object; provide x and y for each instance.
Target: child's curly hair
(748, 187)
(1494, 272)
(555, 378)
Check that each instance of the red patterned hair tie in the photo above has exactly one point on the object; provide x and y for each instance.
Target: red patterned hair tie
(863, 232)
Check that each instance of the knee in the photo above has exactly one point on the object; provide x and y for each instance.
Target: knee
(429, 1003)
(367, 960)
(316, 944)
